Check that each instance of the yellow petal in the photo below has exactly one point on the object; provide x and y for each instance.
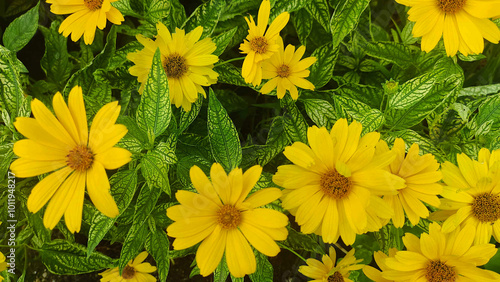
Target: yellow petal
(98, 189)
(77, 109)
(210, 251)
(61, 200)
(239, 256)
(259, 240)
(250, 178)
(27, 168)
(73, 214)
(64, 116)
(30, 128)
(49, 123)
(45, 189)
(29, 149)
(113, 158)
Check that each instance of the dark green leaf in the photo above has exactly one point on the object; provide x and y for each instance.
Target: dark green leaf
(176, 15)
(207, 16)
(300, 241)
(21, 30)
(322, 69)
(294, 123)
(489, 111)
(55, 62)
(320, 11)
(371, 119)
(229, 74)
(222, 40)
(321, 112)
(264, 272)
(157, 244)
(372, 96)
(303, 22)
(11, 93)
(395, 53)
(345, 18)
(154, 165)
(286, 6)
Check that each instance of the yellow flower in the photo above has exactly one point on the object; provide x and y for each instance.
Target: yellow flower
(286, 70)
(3, 265)
(187, 61)
(421, 174)
(332, 181)
(462, 23)
(472, 195)
(327, 271)
(135, 270)
(374, 274)
(441, 257)
(224, 219)
(260, 44)
(78, 157)
(85, 16)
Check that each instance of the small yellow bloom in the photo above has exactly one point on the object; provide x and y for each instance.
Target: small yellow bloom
(260, 44)
(327, 271)
(421, 174)
(334, 180)
(224, 219)
(187, 61)
(78, 158)
(462, 23)
(379, 256)
(441, 257)
(472, 195)
(85, 16)
(286, 71)
(135, 270)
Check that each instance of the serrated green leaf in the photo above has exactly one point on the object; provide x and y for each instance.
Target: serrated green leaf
(64, 258)
(303, 22)
(322, 69)
(154, 165)
(294, 123)
(345, 18)
(222, 40)
(55, 62)
(489, 111)
(207, 16)
(395, 53)
(133, 129)
(21, 30)
(412, 91)
(154, 111)
(320, 11)
(286, 6)
(321, 112)
(264, 272)
(11, 93)
(157, 244)
(222, 134)
(371, 119)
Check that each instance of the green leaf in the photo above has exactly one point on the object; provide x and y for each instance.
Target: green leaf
(395, 53)
(154, 165)
(55, 62)
(123, 185)
(320, 11)
(222, 40)
(207, 16)
(157, 244)
(154, 111)
(345, 19)
(65, 258)
(480, 90)
(372, 96)
(222, 134)
(230, 74)
(414, 90)
(321, 112)
(276, 141)
(294, 123)
(389, 237)
(371, 119)
(300, 241)
(322, 69)
(157, 10)
(489, 111)
(264, 272)
(303, 22)
(21, 30)
(11, 93)
(286, 6)
(222, 271)
(177, 15)
(186, 118)
(425, 145)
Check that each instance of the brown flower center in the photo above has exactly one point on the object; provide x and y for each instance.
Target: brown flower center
(259, 44)
(93, 4)
(451, 6)
(228, 217)
(437, 271)
(128, 272)
(486, 207)
(335, 184)
(336, 277)
(175, 65)
(283, 71)
(80, 158)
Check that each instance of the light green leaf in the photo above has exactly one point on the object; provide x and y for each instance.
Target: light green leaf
(345, 18)
(489, 111)
(230, 74)
(320, 11)
(222, 271)
(11, 93)
(55, 62)
(157, 244)
(264, 272)
(482, 90)
(395, 53)
(371, 119)
(207, 16)
(224, 140)
(286, 6)
(21, 30)
(176, 15)
(157, 10)
(186, 118)
(300, 241)
(322, 69)
(321, 112)
(222, 40)
(294, 123)
(154, 165)
(414, 90)
(154, 111)
(372, 96)
(425, 144)
(303, 22)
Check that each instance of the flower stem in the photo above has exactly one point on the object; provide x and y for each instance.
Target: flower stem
(230, 60)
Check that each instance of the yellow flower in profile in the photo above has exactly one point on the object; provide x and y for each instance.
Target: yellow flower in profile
(441, 257)
(187, 61)
(472, 195)
(332, 181)
(462, 23)
(260, 44)
(327, 271)
(379, 256)
(286, 71)
(421, 174)
(86, 16)
(224, 219)
(78, 158)
(135, 270)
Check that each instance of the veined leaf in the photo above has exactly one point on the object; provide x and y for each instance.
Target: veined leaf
(371, 119)
(206, 15)
(21, 30)
(425, 145)
(294, 123)
(489, 111)
(395, 53)
(345, 18)
(11, 93)
(321, 112)
(322, 69)
(372, 96)
(320, 11)
(230, 74)
(186, 118)
(176, 15)
(154, 112)
(303, 22)
(264, 271)
(157, 10)
(222, 40)
(157, 244)
(286, 6)
(55, 62)
(482, 90)
(222, 134)
(301, 241)
(154, 165)
(412, 91)
(276, 141)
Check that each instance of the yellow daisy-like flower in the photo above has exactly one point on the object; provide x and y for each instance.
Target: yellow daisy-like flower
(441, 257)
(462, 23)
(187, 61)
(3, 265)
(327, 271)
(421, 174)
(374, 274)
(135, 270)
(472, 195)
(286, 71)
(260, 44)
(332, 181)
(224, 219)
(86, 16)
(78, 158)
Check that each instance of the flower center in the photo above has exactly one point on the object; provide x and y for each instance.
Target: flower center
(450, 6)
(283, 71)
(259, 44)
(335, 185)
(80, 158)
(93, 4)
(486, 207)
(128, 272)
(228, 217)
(175, 65)
(436, 271)
(336, 277)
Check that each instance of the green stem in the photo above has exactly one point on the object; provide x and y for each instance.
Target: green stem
(230, 60)
(295, 253)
